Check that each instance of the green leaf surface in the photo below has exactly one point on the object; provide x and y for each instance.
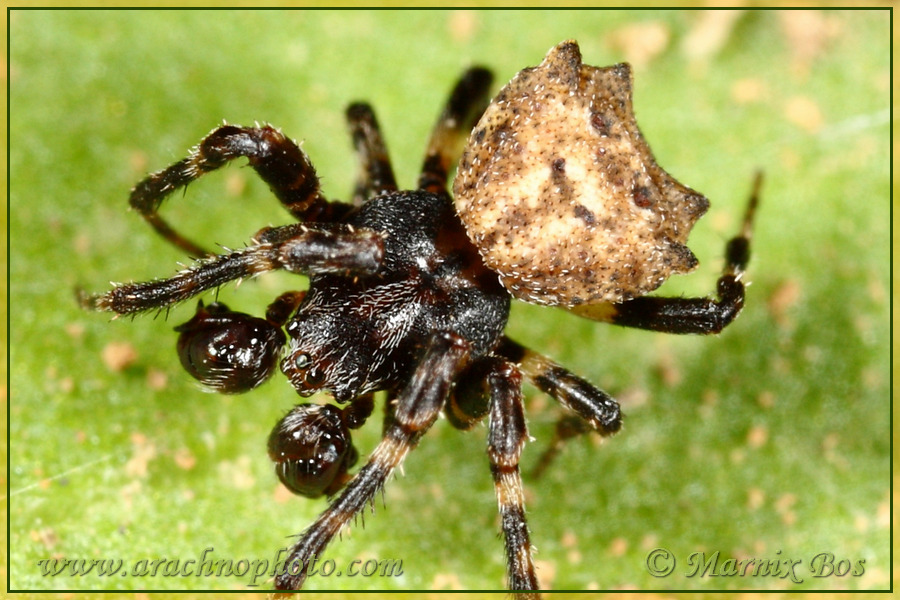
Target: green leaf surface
(769, 441)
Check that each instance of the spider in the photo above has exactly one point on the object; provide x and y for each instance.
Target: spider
(557, 201)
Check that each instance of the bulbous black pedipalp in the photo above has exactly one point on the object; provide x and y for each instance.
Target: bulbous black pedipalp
(312, 450)
(227, 351)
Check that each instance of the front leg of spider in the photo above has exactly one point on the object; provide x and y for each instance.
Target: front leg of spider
(275, 157)
(303, 248)
(417, 407)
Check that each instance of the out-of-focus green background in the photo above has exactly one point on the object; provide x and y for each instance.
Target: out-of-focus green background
(770, 441)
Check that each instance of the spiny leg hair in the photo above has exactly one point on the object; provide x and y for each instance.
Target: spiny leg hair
(300, 248)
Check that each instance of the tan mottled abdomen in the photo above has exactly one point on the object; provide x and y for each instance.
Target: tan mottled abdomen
(561, 194)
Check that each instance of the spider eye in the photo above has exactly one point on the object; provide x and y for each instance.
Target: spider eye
(315, 377)
(227, 351)
(312, 450)
(306, 371)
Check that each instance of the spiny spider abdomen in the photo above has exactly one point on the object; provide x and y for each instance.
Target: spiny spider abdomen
(563, 204)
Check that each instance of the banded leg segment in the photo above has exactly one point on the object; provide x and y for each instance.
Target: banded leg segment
(506, 438)
(376, 173)
(277, 159)
(466, 103)
(417, 408)
(492, 387)
(690, 315)
(308, 250)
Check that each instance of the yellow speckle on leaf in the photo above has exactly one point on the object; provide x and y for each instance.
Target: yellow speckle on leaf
(709, 33)
(142, 452)
(808, 34)
(184, 459)
(446, 581)
(547, 569)
(779, 303)
(237, 473)
(749, 90)
(766, 399)
(804, 113)
(463, 24)
(157, 379)
(235, 184)
(45, 536)
(118, 356)
(755, 498)
(757, 436)
(618, 547)
(783, 506)
(282, 495)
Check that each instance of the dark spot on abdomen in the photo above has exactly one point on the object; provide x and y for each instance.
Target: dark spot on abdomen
(600, 123)
(641, 196)
(582, 212)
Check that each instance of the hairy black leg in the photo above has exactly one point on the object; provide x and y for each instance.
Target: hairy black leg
(591, 408)
(417, 407)
(595, 406)
(376, 174)
(506, 438)
(277, 159)
(690, 315)
(310, 249)
(466, 103)
(493, 386)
